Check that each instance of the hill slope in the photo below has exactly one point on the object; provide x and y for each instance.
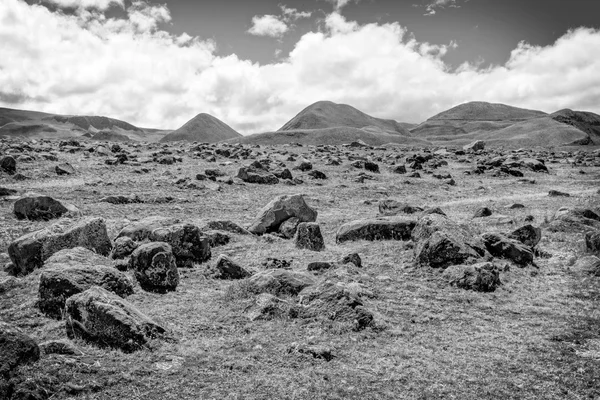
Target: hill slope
(202, 128)
(326, 114)
(328, 136)
(34, 124)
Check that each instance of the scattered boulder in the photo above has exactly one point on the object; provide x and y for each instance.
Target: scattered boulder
(556, 193)
(123, 248)
(280, 281)
(399, 169)
(120, 199)
(31, 250)
(226, 268)
(475, 146)
(574, 220)
(16, 348)
(528, 235)
(224, 225)
(103, 318)
(8, 164)
(273, 263)
(37, 207)
(73, 271)
(316, 174)
(64, 169)
(391, 207)
(319, 266)
(60, 346)
(279, 210)
(482, 212)
(256, 175)
(503, 247)
(397, 228)
(288, 228)
(318, 352)
(352, 258)
(155, 267)
(189, 244)
(7, 192)
(308, 236)
(482, 277)
(592, 242)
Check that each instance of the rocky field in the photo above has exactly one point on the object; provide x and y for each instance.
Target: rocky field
(230, 271)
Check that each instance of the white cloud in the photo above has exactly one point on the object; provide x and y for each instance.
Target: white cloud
(268, 25)
(85, 4)
(430, 7)
(339, 4)
(90, 64)
(290, 14)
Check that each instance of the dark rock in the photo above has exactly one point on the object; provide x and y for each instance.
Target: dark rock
(226, 268)
(283, 174)
(528, 235)
(319, 266)
(36, 207)
(371, 166)
(308, 236)
(155, 267)
(482, 277)
(255, 175)
(30, 251)
(7, 192)
(482, 212)
(279, 210)
(592, 242)
(503, 247)
(556, 193)
(304, 166)
(8, 164)
(119, 199)
(16, 348)
(317, 174)
(399, 169)
(352, 258)
(280, 281)
(216, 238)
(123, 248)
(318, 352)
(223, 225)
(73, 271)
(273, 263)
(103, 318)
(61, 346)
(376, 229)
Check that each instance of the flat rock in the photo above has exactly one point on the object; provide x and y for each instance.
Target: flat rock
(281, 281)
(226, 268)
(38, 207)
(500, 246)
(396, 228)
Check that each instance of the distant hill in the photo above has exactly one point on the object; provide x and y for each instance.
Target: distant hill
(34, 124)
(328, 136)
(326, 114)
(500, 124)
(202, 128)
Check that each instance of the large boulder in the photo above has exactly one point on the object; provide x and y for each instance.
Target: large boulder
(482, 277)
(38, 207)
(189, 244)
(103, 318)
(528, 235)
(73, 271)
(30, 251)
(573, 220)
(8, 164)
(475, 146)
(279, 210)
(441, 242)
(397, 228)
(16, 348)
(257, 175)
(500, 246)
(155, 267)
(308, 236)
(280, 281)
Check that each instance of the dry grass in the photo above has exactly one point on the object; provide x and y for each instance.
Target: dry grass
(533, 338)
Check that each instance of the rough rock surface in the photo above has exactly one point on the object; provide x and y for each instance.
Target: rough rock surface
(30, 251)
(73, 271)
(279, 210)
(397, 228)
(257, 175)
(309, 237)
(155, 267)
(190, 245)
(503, 247)
(528, 235)
(103, 318)
(281, 281)
(16, 348)
(38, 207)
(266, 306)
(592, 242)
(226, 268)
(482, 277)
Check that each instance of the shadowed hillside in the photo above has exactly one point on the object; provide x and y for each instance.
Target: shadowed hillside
(326, 114)
(202, 128)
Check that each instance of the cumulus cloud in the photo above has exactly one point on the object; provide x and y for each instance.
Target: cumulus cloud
(85, 4)
(91, 64)
(339, 4)
(268, 25)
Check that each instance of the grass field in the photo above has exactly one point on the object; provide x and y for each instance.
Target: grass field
(536, 337)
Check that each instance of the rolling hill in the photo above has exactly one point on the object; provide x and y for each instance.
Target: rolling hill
(326, 114)
(503, 125)
(202, 128)
(34, 124)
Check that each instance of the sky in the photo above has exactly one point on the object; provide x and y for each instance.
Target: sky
(256, 63)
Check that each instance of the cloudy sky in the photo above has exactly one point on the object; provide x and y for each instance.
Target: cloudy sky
(256, 63)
